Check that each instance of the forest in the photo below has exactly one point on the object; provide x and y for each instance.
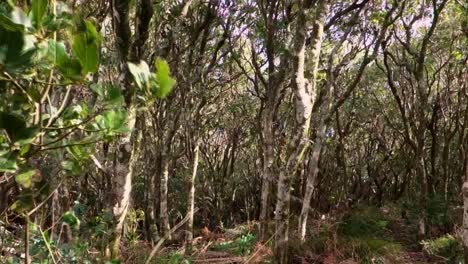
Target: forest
(233, 131)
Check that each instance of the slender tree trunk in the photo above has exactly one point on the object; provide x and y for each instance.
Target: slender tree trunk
(150, 215)
(122, 180)
(422, 177)
(128, 145)
(465, 215)
(165, 226)
(311, 179)
(267, 174)
(304, 91)
(445, 167)
(464, 157)
(191, 200)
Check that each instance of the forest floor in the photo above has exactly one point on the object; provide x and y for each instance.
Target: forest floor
(363, 235)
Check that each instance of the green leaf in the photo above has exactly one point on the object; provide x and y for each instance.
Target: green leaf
(71, 167)
(85, 47)
(23, 204)
(114, 261)
(16, 49)
(24, 149)
(16, 128)
(71, 219)
(98, 89)
(114, 96)
(91, 33)
(17, 20)
(7, 24)
(69, 68)
(79, 153)
(164, 79)
(25, 178)
(141, 73)
(114, 120)
(39, 8)
(7, 162)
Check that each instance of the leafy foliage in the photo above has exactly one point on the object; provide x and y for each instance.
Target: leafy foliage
(157, 84)
(242, 245)
(446, 246)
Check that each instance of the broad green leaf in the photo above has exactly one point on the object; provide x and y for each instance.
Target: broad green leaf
(23, 204)
(25, 178)
(69, 68)
(71, 219)
(7, 162)
(114, 261)
(85, 47)
(98, 89)
(71, 167)
(16, 50)
(24, 149)
(16, 20)
(19, 17)
(79, 152)
(7, 24)
(114, 96)
(141, 73)
(39, 8)
(114, 120)
(86, 53)
(164, 79)
(91, 33)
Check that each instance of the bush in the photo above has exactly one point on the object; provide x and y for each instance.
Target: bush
(373, 247)
(364, 235)
(240, 246)
(448, 247)
(437, 212)
(364, 222)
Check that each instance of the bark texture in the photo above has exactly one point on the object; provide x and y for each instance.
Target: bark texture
(191, 200)
(304, 91)
(128, 145)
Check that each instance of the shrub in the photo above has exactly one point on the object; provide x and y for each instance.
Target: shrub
(448, 247)
(240, 246)
(364, 222)
(364, 236)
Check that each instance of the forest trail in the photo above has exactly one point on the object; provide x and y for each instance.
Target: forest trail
(319, 131)
(363, 235)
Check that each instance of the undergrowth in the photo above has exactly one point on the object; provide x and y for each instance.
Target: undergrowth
(364, 235)
(449, 247)
(241, 246)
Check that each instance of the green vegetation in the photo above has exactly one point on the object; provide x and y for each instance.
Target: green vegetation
(448, 247)
(243, 245)
(268, 131)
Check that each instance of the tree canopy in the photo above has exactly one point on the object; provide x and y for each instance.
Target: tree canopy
(263, 131)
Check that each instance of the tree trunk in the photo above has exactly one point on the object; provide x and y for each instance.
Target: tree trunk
(191, 200)
(304, 91)
(311, 179)
(165, 226)
(150, 214)
(422, 177)
(465, 217)
(122, 180)
(267, 174)
(464, 157)
(128, 145)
